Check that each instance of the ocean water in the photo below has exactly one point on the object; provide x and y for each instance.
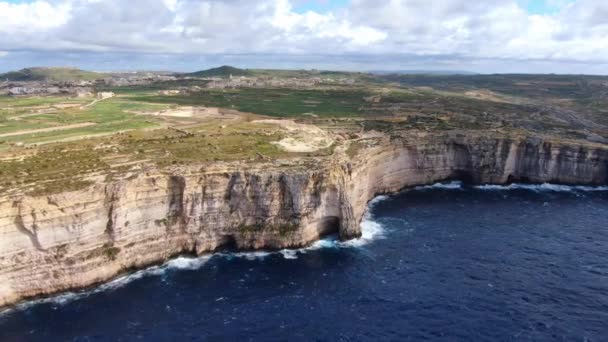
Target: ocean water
(444, 262)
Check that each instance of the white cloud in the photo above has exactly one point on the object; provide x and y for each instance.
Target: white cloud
(171, 4)
(488, 29)
(491, 29)
(3, 54)
(32, 17)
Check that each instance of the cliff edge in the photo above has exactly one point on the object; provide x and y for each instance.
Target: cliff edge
(73, 239)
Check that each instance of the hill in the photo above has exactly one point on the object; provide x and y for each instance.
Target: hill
(223, 71)
(51, 74)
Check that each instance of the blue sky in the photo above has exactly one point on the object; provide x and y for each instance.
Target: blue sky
(319, 5)
(543, 6)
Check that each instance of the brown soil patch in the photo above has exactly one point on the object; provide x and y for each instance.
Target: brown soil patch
(301, 137)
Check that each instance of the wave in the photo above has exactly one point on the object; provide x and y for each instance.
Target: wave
(542, 187)
(180, 263)
(185, 263)
(370, 231)
(245, 255)
(457, 185)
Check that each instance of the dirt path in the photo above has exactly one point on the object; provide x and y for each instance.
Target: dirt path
(90, 104)
(95, 101)
(49, 129)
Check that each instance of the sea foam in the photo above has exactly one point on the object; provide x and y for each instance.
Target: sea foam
(457, 185)
(371, 230)
(542, 187)
(180, 263)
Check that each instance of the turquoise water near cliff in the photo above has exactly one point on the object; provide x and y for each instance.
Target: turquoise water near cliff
(443, 262)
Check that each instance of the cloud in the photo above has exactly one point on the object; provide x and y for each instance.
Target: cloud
(489, 29)
(3, 54)
(574, 31)
(37, 16)
(177, 26)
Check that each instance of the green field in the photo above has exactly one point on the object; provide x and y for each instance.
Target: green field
(18, 115)
(271, 102)
(64, 156)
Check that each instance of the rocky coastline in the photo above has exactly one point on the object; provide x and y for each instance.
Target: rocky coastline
(72, 240)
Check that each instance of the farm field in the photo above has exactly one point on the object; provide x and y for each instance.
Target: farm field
(50, 143)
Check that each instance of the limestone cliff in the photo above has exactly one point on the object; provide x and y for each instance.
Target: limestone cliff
(398, 163)
(75, 239)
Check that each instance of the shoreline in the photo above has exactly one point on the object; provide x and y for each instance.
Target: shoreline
(71, 240)
(199, 260)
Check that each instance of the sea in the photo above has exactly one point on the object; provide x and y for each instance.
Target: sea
(446, 262)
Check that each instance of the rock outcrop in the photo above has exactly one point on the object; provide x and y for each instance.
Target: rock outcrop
(76, 239)
(399, 163)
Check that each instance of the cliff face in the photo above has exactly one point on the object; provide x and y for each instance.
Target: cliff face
(70, 240)
(76, 239)
(394, 165)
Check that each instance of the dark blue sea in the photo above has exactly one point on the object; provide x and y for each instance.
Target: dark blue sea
(445, 263)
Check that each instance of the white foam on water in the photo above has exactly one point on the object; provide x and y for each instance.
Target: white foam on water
(448, 186)
(370, 230)
(185, 263)
(494, 187)
(247, 255)
(456, 185)
(180, 263)
(377, 200)
(289, 253)
(323, 243)
(542, 187)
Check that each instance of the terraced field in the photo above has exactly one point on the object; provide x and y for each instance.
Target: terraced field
(272, 102)
(51, 119)
(50, 144)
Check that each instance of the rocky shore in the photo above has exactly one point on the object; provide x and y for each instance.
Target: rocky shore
(71, 240)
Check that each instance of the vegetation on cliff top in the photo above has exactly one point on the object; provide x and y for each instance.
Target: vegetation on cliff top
(51, 144)
(69, 166)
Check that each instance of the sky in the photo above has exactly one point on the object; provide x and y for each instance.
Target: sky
(489, 36)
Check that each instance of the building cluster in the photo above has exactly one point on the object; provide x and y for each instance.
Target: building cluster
(271, 82)
(125, 80)
(41, 88)
(78, 88)
(261, 82)
(86, 88)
